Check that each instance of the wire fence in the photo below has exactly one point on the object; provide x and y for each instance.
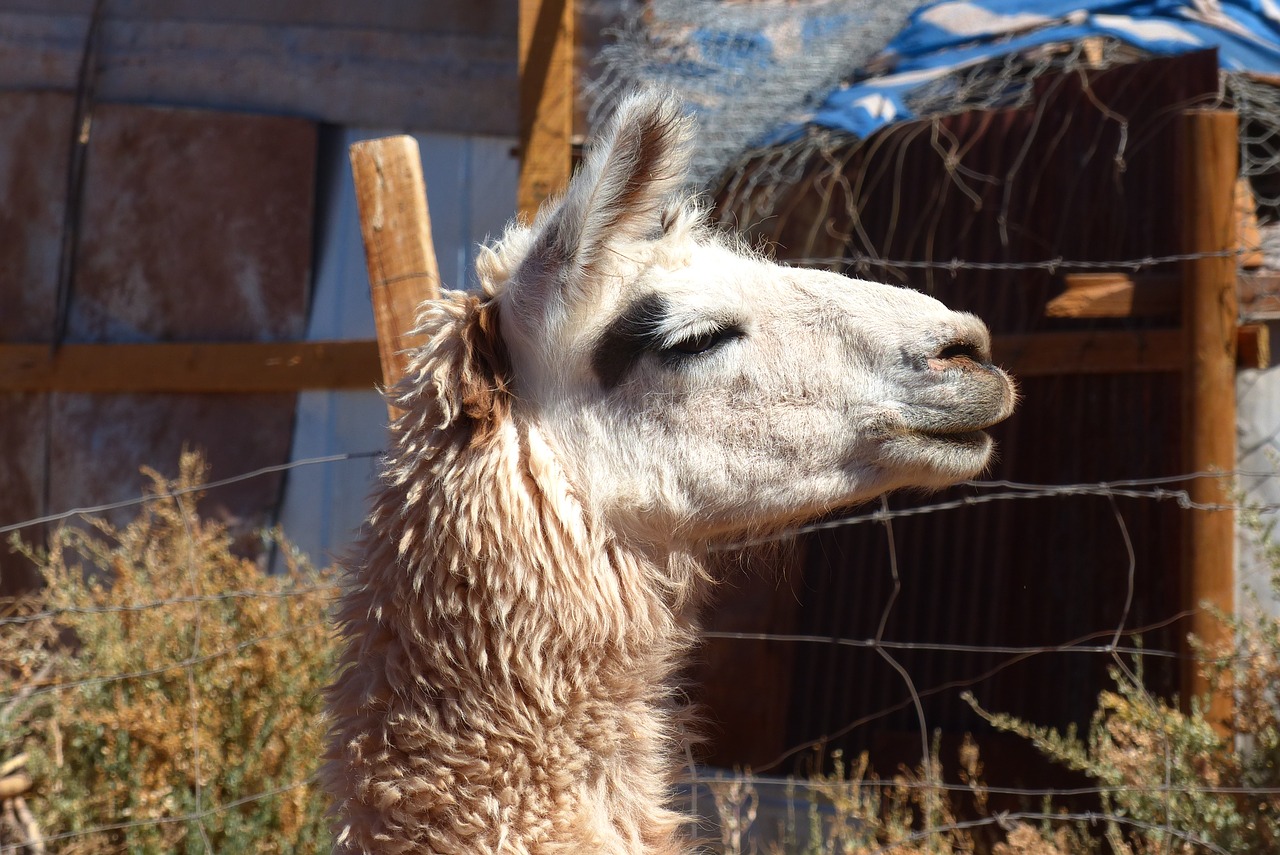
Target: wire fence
(840, 176)
(1113, 643)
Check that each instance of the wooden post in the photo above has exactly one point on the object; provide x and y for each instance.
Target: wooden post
(1208, 164)
(396, 227)
(546, 101)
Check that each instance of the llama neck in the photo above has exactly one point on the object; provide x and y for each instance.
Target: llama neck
(505, 683)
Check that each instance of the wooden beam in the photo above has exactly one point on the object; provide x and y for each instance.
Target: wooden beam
(1057, 353)
(1208, 164)
(1248, 235)
(1123, 295)
(1115, 295)
(1253, 346)
(239, 367)
(396, 227)
(546, 101)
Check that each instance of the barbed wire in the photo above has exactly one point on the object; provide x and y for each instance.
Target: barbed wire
(1121, 489)
(1048, 265)
(1008, 85)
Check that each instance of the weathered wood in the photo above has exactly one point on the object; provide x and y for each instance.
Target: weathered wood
(1115, 295)
(439, 65)
(396, 227)
(1208, 161)
(546, 101)
(1253, 346)
(1057, 353)
(241, 367)
(1248, 235)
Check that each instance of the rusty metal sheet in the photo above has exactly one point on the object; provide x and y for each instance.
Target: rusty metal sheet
(23, 442)
(440, 65)
(195, 226)
(35, 134)
(100, 443)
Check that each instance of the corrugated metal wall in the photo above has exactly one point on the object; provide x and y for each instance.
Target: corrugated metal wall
(1084, 173)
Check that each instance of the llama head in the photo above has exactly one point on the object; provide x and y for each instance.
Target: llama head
(689, 387)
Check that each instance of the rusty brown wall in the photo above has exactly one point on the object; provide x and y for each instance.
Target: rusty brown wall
(1084, 173)
(195, 226)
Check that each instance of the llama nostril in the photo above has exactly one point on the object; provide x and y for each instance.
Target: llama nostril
(957, 353)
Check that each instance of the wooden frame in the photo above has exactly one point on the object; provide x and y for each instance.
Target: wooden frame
(201, 368)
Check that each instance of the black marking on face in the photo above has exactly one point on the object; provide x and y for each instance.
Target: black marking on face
(635, 332)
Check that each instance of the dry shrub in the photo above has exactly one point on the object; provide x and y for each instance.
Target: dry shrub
(174, 690)
(853, 812)
(1181, 783)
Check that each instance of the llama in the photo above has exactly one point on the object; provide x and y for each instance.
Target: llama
(627, 387)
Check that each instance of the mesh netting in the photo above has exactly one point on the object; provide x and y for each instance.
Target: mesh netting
(749, 69)
(746, 68)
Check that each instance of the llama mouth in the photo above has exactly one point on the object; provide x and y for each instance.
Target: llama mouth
(965, 438)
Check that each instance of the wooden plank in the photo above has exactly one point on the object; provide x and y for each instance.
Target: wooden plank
(1208, 165)
(396, 227)
(239, 367)
(1118, 294)
(1115, 295)
(546, 101)
(1253, 346)
(458, 80)
(1248, 236)
(1057, 353)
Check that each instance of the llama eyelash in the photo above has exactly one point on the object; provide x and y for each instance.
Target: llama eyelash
(687, 345)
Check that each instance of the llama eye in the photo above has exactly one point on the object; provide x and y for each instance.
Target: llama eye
(702, 342)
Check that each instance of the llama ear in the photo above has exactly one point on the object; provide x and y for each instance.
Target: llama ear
(618, 195)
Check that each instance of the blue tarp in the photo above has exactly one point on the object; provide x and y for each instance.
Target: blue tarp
(944, 37)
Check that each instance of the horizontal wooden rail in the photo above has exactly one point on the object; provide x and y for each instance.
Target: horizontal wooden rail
(244, 367)
(1119, 294)
(238, 367)
(1055, 353)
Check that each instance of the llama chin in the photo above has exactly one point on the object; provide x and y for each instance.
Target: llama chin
(627, 386)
